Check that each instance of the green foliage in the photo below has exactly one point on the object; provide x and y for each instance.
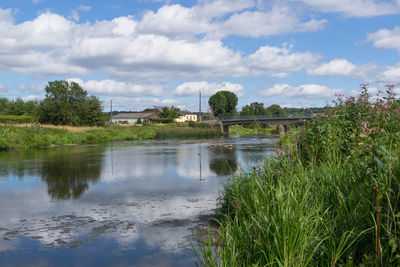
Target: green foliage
(170, 113)
(251, 129)
(331, 199)
(275, 110)
(18, 107)
(254, 109)
(16, 119)
(66, 103)
(163, 120)
(194, 124)
(223, 104)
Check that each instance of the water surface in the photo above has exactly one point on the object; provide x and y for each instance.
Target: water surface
(121, 204)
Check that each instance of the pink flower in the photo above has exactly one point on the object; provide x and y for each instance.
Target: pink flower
(381, 129)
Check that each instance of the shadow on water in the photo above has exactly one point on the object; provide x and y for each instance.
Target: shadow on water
(66, 171)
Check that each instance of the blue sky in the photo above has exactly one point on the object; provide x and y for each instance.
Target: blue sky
(295, 53)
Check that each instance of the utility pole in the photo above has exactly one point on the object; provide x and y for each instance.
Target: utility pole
(199, 105)
(111, 112)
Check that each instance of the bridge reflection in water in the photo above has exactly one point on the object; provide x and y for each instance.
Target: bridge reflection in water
(281, 122)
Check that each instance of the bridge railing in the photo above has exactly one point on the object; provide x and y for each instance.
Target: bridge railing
(259, 118)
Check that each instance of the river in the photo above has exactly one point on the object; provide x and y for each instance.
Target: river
(120, 204)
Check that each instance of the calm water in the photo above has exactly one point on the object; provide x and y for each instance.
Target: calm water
(122, 204)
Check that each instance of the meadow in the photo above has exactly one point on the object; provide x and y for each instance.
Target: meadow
(25, 136)
(330, 196)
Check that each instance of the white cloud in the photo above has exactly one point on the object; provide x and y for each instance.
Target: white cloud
(176, 20)
(3, 88)
(280, 61)
(32, 88)
(207, 89)
(390, 75)
(114, 88)
(74, 15)
(278, 21)
(355, 8)
(386, 39)
(84, 8)
(140, 103)
(32, 98)
(306, 90)
(336, 67)
(54, 45)
(6, 16)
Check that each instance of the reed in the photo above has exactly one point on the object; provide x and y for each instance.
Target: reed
(330, 198)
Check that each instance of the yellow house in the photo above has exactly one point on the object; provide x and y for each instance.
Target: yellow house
(186, 116)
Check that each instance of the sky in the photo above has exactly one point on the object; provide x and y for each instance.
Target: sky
(295, 53)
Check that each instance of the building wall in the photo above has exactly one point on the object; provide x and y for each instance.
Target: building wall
(188, 117)
(124, 121)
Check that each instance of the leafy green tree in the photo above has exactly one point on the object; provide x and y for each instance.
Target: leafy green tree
(170, 113)
(223, 103)
(4, 106)
(94, 114)
(66, 103)
(253, 109)
(275, 110)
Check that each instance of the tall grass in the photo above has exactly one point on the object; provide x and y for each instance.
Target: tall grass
(33, 136)
(332, 198)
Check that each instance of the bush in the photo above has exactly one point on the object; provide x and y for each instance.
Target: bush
(162, 120)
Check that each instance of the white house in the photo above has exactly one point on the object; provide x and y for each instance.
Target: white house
(133, 117)
(186, 116)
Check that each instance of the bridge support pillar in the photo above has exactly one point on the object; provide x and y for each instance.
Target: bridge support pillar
(225, 130)
(282, 128)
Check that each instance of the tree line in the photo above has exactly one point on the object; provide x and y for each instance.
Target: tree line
(223, 104)
(65, 103)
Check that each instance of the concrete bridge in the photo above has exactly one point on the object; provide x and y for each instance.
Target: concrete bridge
(281, 122)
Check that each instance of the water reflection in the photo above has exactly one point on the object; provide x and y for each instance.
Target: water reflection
(223, 160)
(68, 175)
(144, 198)
(66, 171)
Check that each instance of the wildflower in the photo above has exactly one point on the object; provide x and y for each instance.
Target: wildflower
(381, 129)
(279, 153)
(330, 136)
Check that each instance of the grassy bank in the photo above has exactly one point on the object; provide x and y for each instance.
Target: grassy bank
(253, 129)
(33, 136)
(332, 198)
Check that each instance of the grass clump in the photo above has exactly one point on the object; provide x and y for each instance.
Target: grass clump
(331, 198)
(251, 129)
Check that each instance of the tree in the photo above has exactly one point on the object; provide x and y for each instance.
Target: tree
(223, 104)
(253, 109)
(66, 103)
(170, 113)
(276, 110)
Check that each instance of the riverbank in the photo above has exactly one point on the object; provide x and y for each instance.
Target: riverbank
(253, 129)
(35, 136)
(329, 198)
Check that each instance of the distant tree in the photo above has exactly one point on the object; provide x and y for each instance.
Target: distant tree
(223, 104)
(4, 106)
(94, 112)
(275, 110)
(170, 113)
(66, 103)
(253, 109)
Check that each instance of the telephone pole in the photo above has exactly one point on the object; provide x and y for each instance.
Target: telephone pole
(111, 113)
(199, 105)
